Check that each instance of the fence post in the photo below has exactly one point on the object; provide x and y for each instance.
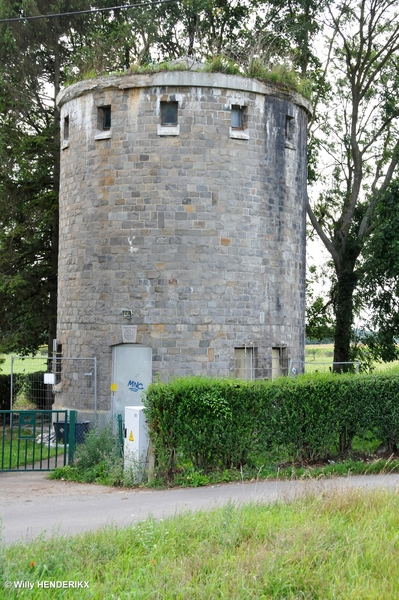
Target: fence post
(95, 390)
(72, 427)
(120, 435)
(11, 382)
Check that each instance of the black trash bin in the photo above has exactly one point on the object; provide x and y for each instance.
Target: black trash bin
(62, 431)
(81, 429)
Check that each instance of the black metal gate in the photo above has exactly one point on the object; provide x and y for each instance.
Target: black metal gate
(36, 440)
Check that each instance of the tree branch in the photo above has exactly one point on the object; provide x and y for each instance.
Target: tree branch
(326, 241)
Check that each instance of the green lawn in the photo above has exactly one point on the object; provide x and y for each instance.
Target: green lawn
(319, 357)
(343, 546)
(26, 364)
(24, 452)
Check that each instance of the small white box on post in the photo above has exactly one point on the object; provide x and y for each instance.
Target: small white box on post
(49, 378)
(137, 444)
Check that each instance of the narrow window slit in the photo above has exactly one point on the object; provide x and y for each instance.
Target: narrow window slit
(169, 114)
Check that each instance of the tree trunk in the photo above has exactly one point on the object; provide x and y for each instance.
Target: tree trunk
(344, 321)
(344, 317)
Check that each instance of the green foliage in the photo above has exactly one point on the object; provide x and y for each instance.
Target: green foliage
(5, 392)
(332, 545)
(319, 321)
(280, 74)
(222, 64)
(357, 149)
(33, 388)
(380, 277)
(97, 460)
(19, 384)
(191, 477)
(221, 424)
(211, 422)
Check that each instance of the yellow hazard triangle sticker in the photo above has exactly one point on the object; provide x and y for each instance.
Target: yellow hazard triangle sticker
(131, 437)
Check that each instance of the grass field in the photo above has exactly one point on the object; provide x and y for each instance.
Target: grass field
(343, 546)
(319, 357)
(27, 364)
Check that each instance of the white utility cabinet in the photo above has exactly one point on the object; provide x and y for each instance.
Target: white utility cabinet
(137, 445)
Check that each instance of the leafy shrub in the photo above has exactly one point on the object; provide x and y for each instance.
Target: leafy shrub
(97, 460)
(5, 392)
(210, 422)
(219, 424)
(5, 389)
(34, 389)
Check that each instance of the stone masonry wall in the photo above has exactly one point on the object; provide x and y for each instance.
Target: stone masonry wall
(200, 233)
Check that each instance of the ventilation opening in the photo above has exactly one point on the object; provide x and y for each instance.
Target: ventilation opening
(169, 114)
(66, 129)
(244, 367)
(237, 117)
(104, 118)
(289, 128)
(279, 362)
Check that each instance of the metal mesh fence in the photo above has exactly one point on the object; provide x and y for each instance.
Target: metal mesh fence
(75, 382)
(42, 380)
(43, 383)
(75, 386)
(27, 388)
(317, 366)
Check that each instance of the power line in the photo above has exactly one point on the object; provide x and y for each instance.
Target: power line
(85, 12)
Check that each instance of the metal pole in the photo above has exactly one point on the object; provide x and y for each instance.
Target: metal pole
(11, 383)
(72, 428)
(95, 390)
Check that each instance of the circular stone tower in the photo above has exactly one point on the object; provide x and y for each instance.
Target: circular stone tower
(182, 226)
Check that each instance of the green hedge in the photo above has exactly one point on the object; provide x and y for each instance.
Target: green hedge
(30, 384)
(219, 423)
(34, 388)
(5, 392)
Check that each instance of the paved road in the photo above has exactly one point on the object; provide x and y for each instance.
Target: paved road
(31, 505)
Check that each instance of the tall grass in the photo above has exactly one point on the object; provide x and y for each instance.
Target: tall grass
(339, 546)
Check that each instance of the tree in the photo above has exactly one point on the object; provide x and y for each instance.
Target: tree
(35, 58)
(319, 314)
(295, 25)
(28, 187)
(380, 278)
(357, 131)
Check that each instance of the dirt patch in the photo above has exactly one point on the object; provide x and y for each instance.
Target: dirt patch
(33, 485)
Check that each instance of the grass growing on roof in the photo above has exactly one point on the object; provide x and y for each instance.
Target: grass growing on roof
(280, 75)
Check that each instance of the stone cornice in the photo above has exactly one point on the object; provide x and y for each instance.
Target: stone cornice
(180, 79)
